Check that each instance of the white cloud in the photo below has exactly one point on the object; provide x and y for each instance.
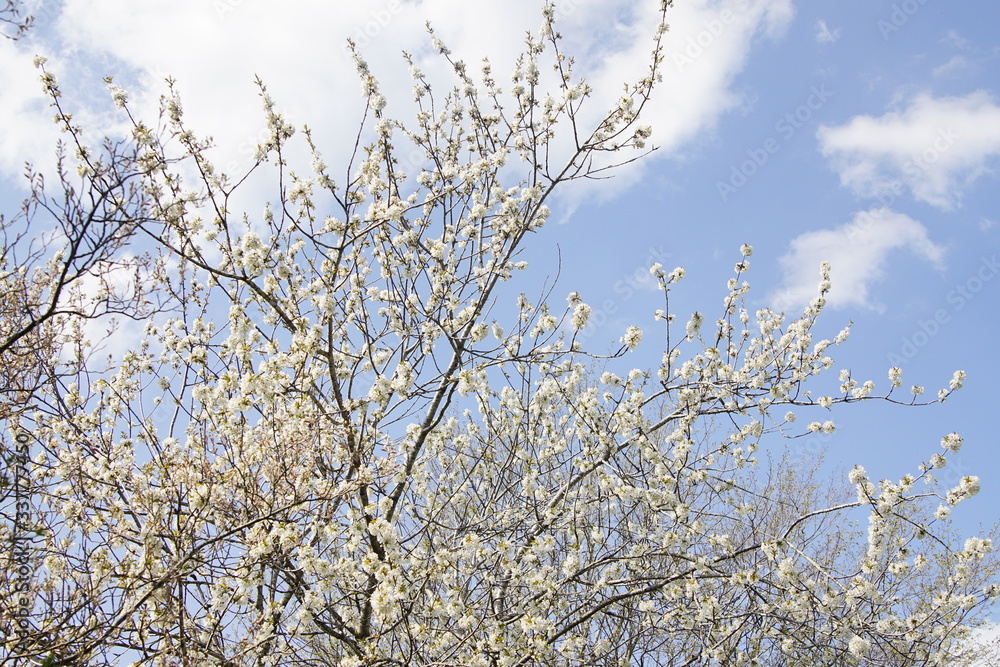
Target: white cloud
(107, 286)
(954, 39)
(23, 106)
(214, 50)
(707, 45)
(934, 147)
(954, 66)
(824, 35)
(858, 254)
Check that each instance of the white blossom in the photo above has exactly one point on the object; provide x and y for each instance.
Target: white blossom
(632, 337)
(581, 314)
(951, 442)
(956, 380)
(858, 646)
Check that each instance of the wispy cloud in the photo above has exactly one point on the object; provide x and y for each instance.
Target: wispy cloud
(954, 66)
(858, 252)
(935, 147)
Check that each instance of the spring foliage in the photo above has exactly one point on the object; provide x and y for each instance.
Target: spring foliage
(343, 440)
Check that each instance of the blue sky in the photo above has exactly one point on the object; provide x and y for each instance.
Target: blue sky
(863, 133)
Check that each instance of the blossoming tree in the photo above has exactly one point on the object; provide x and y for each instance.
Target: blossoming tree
(352, 444)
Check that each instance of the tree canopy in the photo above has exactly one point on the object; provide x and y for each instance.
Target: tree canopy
(348, 436)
